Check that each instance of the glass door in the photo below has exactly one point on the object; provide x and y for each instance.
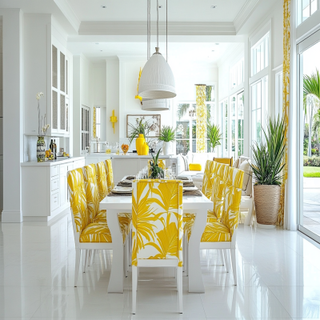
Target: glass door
(309, 115)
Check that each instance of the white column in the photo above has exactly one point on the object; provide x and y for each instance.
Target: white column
(12, 114)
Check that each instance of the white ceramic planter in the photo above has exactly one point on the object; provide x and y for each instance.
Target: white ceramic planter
(167, 148)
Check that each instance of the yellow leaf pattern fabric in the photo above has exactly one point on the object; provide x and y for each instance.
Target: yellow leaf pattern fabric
(96, 232)
(102, 180)
(109, 174)
(91, 186)
(218, 188)
(207, 181)
(78, 201)
(157, 220)
(216, 231)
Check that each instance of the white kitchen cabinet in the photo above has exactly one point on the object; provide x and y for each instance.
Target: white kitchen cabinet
(45, 189)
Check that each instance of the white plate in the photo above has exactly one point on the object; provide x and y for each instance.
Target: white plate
(189, 188)
(118, 189)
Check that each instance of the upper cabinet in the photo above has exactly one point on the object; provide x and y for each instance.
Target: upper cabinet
(60, 92)
(48, 69)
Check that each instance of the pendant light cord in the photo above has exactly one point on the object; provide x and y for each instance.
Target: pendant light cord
(148, 28)
(158, 23)
(167, 30)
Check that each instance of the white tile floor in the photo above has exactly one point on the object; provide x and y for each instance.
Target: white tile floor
(278, 278)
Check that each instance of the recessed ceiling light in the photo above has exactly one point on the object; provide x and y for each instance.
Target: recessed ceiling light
(103, 6)
(217, 43)
(97, 42)
(101, 50)
(213, 6)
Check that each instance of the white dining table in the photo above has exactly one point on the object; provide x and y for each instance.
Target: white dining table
(191, 204)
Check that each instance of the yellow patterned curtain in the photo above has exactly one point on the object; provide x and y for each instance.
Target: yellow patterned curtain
(94, 123)
(201, 129)
(286, 99)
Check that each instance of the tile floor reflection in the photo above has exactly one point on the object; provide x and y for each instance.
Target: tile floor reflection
(278, 278)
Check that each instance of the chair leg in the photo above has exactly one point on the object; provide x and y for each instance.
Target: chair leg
(234, 266)
(180, 292)
(223, 263)
(134, 288)
(93, 253)
(77, 266)
(84, 259)
(226, 259)
(248, 218)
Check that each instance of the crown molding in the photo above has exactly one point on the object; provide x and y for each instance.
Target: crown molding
(69, 14)
(140, 28)
(244, 14)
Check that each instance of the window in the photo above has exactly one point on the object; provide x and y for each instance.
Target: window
(85, 127)
(306, 8)
(278, 92)
(186, 134)
(236, 74)
(224, 127)
(259, 107)
(237, 121)
(260, 55)
(98, 123)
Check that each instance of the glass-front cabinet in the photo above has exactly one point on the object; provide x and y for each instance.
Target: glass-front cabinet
(60, 94)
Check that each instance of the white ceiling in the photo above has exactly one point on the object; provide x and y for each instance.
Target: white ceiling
(195, 27)
(136, 10)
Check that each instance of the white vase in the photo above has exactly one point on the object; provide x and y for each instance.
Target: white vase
(167, 148)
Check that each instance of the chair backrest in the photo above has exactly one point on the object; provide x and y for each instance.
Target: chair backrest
(228, 161)
(219, 181)
(207, 179)
(91, 187)
(233, 192)
(157, 227)
(102, 180)
(78, 202)
(109, 171)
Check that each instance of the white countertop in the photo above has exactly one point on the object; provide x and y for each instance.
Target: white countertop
(128, 156)
(60, 160)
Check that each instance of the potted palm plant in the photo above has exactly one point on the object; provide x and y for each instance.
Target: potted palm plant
(155, 171)
(214, 135)
(167, 135)
(267, 169)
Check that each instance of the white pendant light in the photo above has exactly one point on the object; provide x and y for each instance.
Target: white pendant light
(155, 105)
(157, 80)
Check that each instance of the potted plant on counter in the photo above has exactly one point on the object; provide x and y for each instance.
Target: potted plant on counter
(267, 169)
(167, 135)
(214, 135)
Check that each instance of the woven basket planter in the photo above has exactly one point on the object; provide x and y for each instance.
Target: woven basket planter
(267, 200)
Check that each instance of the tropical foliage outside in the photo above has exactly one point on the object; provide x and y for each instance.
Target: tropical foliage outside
(311, 106)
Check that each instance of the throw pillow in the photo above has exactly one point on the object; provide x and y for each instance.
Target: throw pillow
(186, 162)
(245, 167)
(236, 164)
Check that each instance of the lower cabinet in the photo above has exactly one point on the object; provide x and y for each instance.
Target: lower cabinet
(45, 189)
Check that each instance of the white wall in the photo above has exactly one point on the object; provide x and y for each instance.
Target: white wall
(13, 102)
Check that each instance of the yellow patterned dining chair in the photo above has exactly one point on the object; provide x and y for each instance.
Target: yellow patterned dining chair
(222, 234)
(93, 201)
(109, 171)
(188, 218)
(157, 229)
(88, 235)
(228, 161)
(219, 181)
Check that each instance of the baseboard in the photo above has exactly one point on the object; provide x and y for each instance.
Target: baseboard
(11, 216)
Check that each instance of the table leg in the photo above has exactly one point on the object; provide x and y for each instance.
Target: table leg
(195, 276)
(116, 276)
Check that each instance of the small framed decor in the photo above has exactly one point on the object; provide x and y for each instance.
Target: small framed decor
(153, 121)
